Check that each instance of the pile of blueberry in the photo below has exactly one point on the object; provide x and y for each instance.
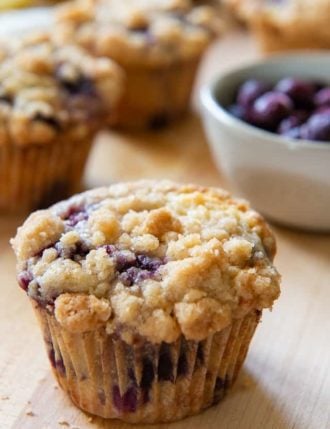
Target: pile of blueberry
(292, 107)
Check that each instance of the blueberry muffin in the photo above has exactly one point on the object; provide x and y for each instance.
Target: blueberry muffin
(159, 44)
(52, 102)
(148, 294)
(287, 24)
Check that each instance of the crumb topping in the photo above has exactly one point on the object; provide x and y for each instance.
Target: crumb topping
(156, 32)
(286, 13)
(148, 258)
(79, 313)
(46, 90)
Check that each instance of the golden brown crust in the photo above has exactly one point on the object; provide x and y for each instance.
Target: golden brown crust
(40, 230)
(81, 313)
(168, 258)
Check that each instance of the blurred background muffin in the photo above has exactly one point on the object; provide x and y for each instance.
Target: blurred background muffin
(286, 25)
(52, 104)
(159, 45)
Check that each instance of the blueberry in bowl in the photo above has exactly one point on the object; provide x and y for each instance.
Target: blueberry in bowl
(268, 126)
(293, 107)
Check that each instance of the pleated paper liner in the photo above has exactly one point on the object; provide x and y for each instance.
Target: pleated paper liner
(144, 382)
(155, 96)
(35, 176)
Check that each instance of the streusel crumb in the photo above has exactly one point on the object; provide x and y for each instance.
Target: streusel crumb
(155, 259)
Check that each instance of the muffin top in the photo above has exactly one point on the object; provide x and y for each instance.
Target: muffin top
(288, 12)
(151, 259)
(139, 32)
(46, 90)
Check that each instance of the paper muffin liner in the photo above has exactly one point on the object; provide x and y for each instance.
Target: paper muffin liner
(155, 96)
(35, 176)
(145, 382)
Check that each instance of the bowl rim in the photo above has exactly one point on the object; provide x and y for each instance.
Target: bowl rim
(208, 100)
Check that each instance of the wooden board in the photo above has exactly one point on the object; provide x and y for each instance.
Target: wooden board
(285, 382)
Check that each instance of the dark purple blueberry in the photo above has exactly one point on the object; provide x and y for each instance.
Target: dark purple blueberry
(133, 268)
(294, 120)
(134, 275)
(299, 91)
(49, 120)
(56, 361)
(76, 251)
(269, 109)
(60, 366)
(81, 249)
(117, 398)
(111, 249)
(322, 97)
(128, 278)
(317, 127)
(165, 364)
(237, 111)
(125, 260)
(76, 217)
(130, 400)
(149, 264)
(24, 279)
(127, 402)
(250, 90)
(79, 86)
(148, 376)
(323, 109)
(293, 133)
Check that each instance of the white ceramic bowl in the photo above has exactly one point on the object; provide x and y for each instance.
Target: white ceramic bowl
(287, 180)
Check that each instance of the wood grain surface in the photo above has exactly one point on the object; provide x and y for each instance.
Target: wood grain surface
(285, 383)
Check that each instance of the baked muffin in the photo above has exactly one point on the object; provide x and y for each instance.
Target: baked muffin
(148, 295)
(289, 24)
(52, 102)
(159, 44)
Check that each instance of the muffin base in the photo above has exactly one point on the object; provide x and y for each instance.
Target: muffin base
(155, 96)
(35, 176)
(144, 382)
